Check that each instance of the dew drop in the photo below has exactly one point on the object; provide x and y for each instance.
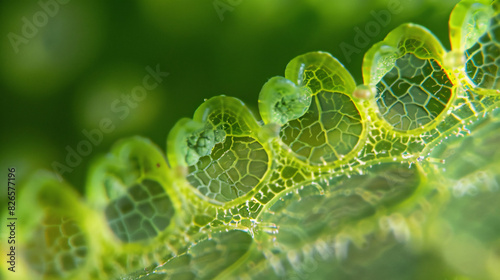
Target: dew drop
(363, 92)
(453, 59)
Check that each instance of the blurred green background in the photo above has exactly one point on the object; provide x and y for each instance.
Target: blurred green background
(82, 56)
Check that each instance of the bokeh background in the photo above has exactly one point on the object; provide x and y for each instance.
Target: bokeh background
(86, 54)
